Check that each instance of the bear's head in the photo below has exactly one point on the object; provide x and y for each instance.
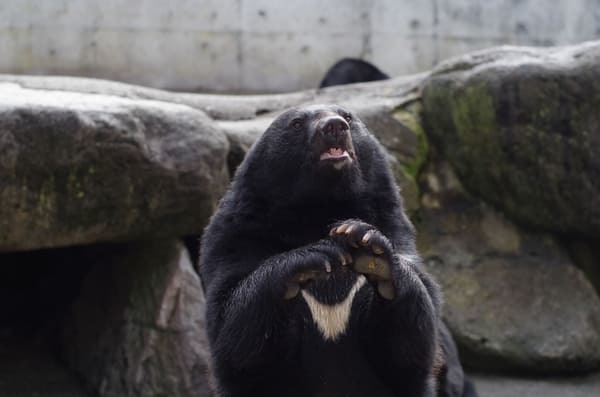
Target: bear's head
(313, 151)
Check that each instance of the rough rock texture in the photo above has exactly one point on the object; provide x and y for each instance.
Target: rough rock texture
(138, 327)
(522, 128)
(513, 299)
(80, 168)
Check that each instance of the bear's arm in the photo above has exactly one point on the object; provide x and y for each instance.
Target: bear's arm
(446, 368)
(246, 309)
(242, 309)
(402, 334)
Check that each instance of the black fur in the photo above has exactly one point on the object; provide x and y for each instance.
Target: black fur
(351, 70)
(272, 225)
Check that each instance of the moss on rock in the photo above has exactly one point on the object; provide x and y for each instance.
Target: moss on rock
(410, 117)
(524, 134)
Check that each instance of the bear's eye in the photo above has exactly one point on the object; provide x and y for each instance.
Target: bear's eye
(296, 123)
(348, 117)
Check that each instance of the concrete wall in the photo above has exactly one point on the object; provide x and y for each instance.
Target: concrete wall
(268, 45)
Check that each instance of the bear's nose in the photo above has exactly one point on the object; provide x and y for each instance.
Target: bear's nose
(334, 125)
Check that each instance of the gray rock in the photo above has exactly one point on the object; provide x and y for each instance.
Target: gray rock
(513, 299)
(82, 168)
(228, 107)
(521, 127)
(138, 327)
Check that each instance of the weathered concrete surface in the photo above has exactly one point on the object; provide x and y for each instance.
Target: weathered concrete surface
(138, 327)
(260, 45)
(514, 301)
(80, 168)
(521, 127)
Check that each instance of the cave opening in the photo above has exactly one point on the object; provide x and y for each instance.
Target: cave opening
(37, 291)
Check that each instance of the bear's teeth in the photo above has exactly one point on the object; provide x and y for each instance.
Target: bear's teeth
(335, 153)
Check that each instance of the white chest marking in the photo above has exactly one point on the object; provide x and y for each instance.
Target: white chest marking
(332, 320)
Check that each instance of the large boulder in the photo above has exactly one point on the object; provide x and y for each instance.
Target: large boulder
(137, 328)
(513, 299)
(521, 126)
(82, 168)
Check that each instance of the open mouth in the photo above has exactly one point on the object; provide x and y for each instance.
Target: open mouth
(335, 153)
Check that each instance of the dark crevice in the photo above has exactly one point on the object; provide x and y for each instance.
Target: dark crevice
(37, 290)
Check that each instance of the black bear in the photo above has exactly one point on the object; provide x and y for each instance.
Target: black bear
(313, 283)
(351, 70)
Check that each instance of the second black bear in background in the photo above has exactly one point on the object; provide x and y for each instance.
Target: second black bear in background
(314, 286)
(351, 70)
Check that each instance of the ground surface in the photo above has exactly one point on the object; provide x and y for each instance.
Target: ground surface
(31, 372)
(499, 386)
